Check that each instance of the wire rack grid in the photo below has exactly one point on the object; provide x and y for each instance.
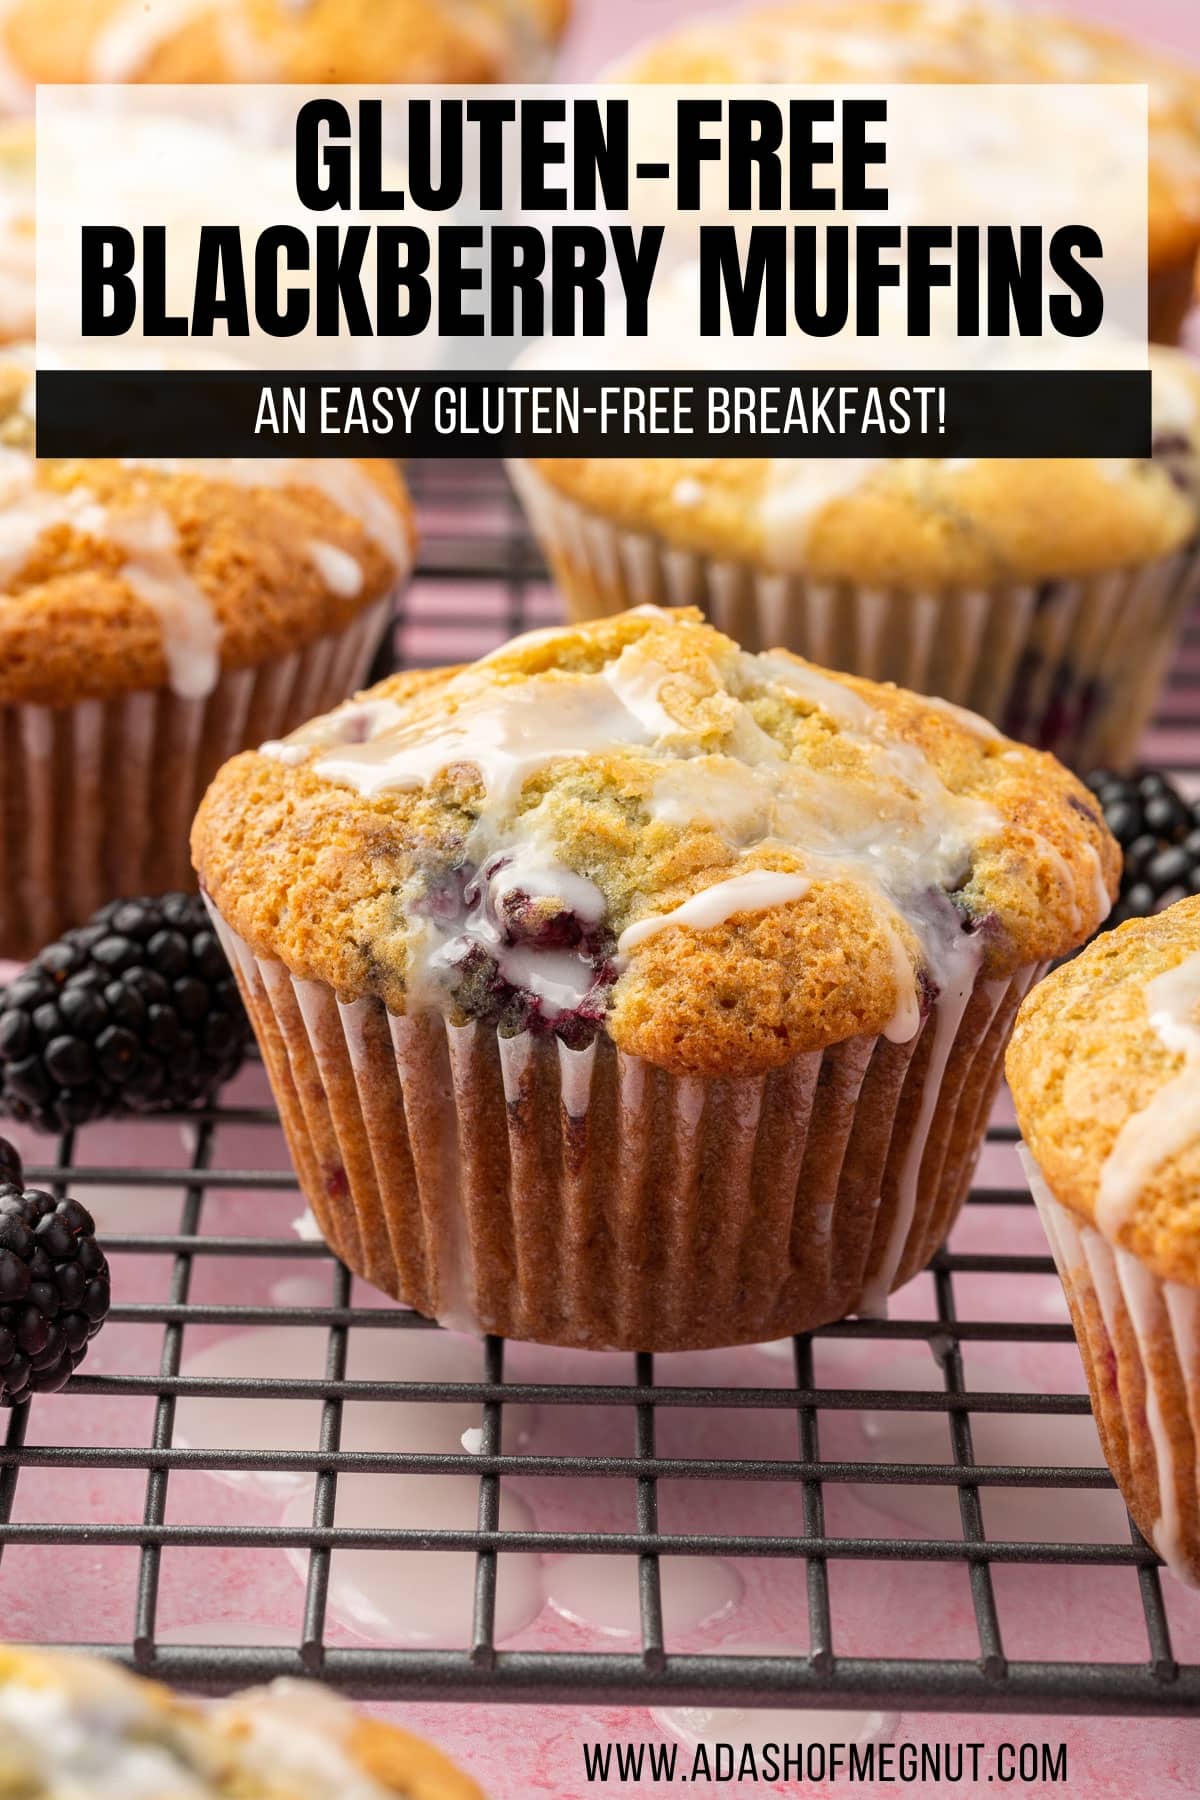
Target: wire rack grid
(474, 540)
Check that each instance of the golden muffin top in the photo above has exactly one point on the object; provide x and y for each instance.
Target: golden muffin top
(306, 41)
(950, 41)
(71, 1725)
(917, 522)
(1105, 1072)
(118, 576)
(721, 859)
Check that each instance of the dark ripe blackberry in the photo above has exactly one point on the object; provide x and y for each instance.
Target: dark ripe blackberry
(12, 1170)
(136, 1011)
(54, 1291)
(1159, 834)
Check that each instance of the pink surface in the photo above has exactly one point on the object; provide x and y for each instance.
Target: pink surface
(515, 1753)
(86, 1592)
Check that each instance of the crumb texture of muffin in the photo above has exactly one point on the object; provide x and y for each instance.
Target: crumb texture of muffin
(318, 41)
(125, 576)
(74, 1724)
(724, 860)
(1105, 1071)
(963, 41)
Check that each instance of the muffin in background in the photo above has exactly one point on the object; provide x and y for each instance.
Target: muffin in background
(158, 617)
(322, 41)
(18, 256)
(965, 41)
(1104, 1068)
(72, 1724)
(1044, 594)
(628, 990)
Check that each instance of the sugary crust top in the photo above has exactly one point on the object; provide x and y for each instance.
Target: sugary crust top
(272, 41)
(1086, 1061)
(120, 576)
(951, 41)
(925, 523)
(237, 1749)
(619, 770)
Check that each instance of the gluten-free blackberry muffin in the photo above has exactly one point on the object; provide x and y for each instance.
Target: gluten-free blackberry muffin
(304, 41)
(1105, 1072)
(157, 617)
(626, 989)
(1045, 595)
(965, 41)
(76, 1726)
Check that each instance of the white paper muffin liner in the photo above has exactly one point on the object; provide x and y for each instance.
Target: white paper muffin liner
(1139, 1337)
(589, 1198)
(1072, 666)
(97, 798)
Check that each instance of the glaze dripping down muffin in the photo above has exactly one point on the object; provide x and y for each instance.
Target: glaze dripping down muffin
(1105, 1072)
(156, 617)
(627, 865)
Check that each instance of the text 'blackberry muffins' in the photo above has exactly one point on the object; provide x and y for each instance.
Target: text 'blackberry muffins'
(156, 618)
(74, 1725)
(625, 989)
(1044, 594)
(1105, 1072)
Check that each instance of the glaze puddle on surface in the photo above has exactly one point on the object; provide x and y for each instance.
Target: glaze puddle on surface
(420, 1596)
(1057, 1440)
(601, 1592)
(399, 1353)
(754, 1728)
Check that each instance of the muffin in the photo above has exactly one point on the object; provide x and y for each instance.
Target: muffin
(314, 43)
(628, 990)
(156, 618)
(18, 259)
(1045, 595)
(1105, 1072)
(964, 41)
(73, 1725)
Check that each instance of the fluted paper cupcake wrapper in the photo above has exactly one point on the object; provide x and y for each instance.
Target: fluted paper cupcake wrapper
(588, 1198)
(1139, 1337)
(97, 799)
(1072, 666)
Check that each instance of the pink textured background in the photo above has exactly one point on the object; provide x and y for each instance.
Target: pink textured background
(517, 1753)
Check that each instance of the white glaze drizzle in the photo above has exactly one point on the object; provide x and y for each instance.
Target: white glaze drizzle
(755, 891)
(1082, 1257)
(1171, 1120)
(341, 572)
(900, 838)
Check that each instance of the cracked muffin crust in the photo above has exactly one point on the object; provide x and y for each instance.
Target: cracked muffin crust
(522, 840)
(125, 575)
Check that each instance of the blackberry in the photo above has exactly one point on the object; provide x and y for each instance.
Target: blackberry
(54, 1291)
(11, 1168)
(136, 1011)
(1159, 834)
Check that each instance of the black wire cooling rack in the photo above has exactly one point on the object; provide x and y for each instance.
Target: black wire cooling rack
(472, 539)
